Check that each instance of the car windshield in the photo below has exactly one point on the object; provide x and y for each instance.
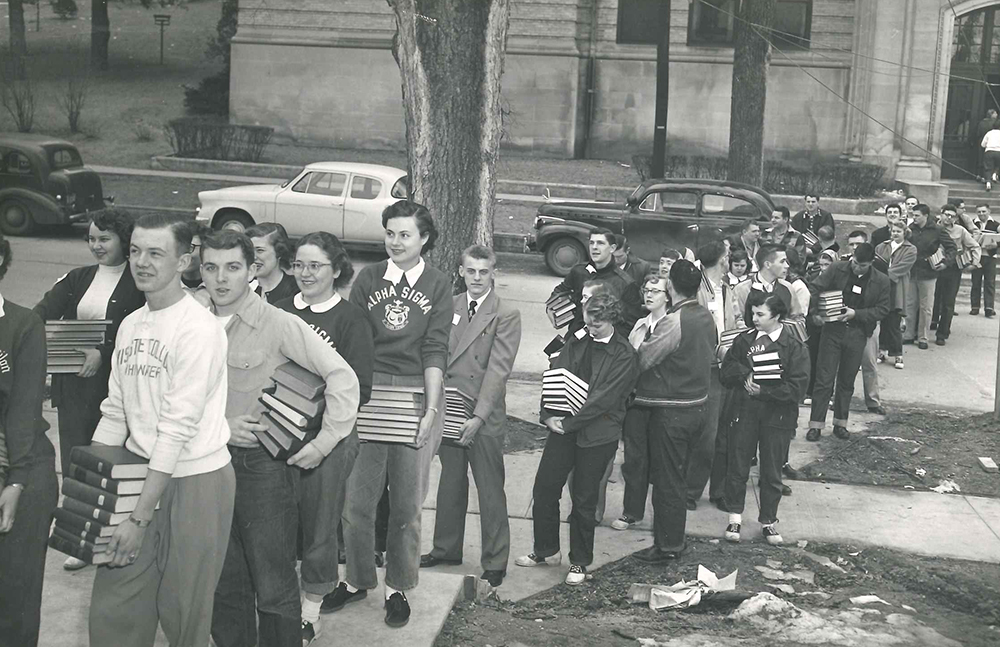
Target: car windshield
(64, 158)
(288, 181)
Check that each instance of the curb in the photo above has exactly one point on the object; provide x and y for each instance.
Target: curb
(866, 206)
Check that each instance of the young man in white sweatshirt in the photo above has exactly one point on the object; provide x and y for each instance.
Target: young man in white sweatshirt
(167, 403)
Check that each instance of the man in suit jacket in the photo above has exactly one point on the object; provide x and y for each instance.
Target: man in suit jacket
(485, 335)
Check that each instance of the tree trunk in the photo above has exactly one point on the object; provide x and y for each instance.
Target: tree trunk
(752, 57)
(100, 34)
(18, 43)
(450, 55)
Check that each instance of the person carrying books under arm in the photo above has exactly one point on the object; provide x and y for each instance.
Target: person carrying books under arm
(257, 599)
(762, 409)
(28, 488)
(166, 403)
(584, 442)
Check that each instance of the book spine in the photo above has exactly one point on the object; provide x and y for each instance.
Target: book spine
(81, 542)
(70, 548)
(76, 521)
(76, 532)
(90, 462)
(87, 511)
(89, 494)
(93, 478)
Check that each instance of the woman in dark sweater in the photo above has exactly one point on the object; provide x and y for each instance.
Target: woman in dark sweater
(274, 256)
(102, 291)
(321, 266)
(763, 413)
(409, 307)
(28, 489)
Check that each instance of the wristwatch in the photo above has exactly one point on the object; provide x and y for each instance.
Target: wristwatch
(142, 523)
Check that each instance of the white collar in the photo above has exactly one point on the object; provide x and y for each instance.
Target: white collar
(325, 306)
(603, 340)
(393, 274)
(650, 322)
(2, 313)
(773, 335)
(478, 301)
(112, 269)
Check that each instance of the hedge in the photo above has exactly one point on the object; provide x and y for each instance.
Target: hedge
(218, 140)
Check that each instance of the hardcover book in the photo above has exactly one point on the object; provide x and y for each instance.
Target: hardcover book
(113, 462)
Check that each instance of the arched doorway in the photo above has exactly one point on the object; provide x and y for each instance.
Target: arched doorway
(973, 88)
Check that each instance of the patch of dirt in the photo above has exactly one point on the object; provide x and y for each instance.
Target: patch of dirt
(956, 598)
(919, 449)
(523, 436)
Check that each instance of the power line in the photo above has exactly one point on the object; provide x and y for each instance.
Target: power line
(982, 68)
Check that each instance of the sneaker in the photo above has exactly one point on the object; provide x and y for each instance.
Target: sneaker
(532, 559)
(771, 535)
(577, 575)
(841, 432)
(813, 435)
(807, 401)
(899, 363)
(310, 631)
(74, 564)
(733, 533)
(340, 597)
(624, 522)
(397, 610)
(881, 357)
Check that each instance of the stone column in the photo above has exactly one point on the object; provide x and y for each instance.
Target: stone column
(923, 21)
(861, 78)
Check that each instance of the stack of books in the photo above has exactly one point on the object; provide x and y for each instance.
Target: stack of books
(554, 347)
(563, 391)
(102, 489)
(65, 340)
(295, 406)
(810, 238)
(964, 259)
(458, 409)
(831, 304)
(727, 338)
(797, 328)
(766, 367)
(392, 415)
(937, 258)
(560, 308)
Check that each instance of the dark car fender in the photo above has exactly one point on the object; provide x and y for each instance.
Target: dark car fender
(44, 209)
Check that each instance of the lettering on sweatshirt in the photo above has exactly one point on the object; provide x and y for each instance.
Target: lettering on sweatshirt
(397, 311)
(142, 357)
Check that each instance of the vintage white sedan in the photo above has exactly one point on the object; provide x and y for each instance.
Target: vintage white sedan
(343, 198)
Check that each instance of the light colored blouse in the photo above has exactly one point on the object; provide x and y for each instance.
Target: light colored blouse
(94, 303)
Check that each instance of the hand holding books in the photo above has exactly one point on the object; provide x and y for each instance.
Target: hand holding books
(559, 309)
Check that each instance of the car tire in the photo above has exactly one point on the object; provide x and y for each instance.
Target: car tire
(563, 253)
(236, 220)
(15, 218)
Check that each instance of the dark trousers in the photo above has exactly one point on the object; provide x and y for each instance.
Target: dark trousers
(815, 334)
(79, 408)
(382, 520)
(839, 360)
(748, 434)
(945, 294)
(258, 577)
(720, 462)
(991, 163)
(984, 282)
(890, 337)
(560, 457)
(673, 436)
(635, 467)
(700, 466)
(22, 557)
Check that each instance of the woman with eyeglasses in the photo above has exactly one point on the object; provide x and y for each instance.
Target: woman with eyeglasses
(105, 290)
(320, 268)
(273, 253)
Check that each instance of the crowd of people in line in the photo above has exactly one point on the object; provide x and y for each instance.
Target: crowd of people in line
(200, 319)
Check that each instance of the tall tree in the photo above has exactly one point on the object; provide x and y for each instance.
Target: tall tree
(100, 34)
(450, 55)
(751, 59)
(18, 42)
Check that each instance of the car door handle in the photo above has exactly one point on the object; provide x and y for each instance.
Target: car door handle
(694, 227)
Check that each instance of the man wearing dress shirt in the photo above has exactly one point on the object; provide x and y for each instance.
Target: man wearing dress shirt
(984, 277)
(485, 335)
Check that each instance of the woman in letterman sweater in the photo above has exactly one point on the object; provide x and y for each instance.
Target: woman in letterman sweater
(409, 306)
(321, 266)
(102, 291)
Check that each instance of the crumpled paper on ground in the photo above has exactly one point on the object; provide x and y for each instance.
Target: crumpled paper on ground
(684, 594)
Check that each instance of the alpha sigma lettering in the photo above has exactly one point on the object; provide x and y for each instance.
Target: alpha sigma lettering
(407, 293)
(381, 295)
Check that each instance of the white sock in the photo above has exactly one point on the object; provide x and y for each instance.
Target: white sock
(767, 525)
(389, 591)
(310, 610)
(735, 518)
(351, 589)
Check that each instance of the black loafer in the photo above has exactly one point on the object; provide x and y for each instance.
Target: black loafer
(880, 410)
(495, 578)
(841, 432)
(653, 555)
(692, 505)
(430, 561)
(813, 435)
(397, 610)
(341, 597)
(785, 490)
(922, 345)
(791, 472)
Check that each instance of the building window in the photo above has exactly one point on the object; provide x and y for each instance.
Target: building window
(637, 22)
(713, 22)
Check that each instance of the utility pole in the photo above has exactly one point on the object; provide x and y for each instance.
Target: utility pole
(662, 90)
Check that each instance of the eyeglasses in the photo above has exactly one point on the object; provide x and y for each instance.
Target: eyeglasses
(314, 267)
(195, 247)
(653, 291)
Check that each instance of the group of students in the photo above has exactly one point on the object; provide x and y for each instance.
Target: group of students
(212, 546)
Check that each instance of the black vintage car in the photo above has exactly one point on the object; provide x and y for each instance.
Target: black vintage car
(660, 213)
(43, 182)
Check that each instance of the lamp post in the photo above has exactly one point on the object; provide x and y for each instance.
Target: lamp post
(162, 20)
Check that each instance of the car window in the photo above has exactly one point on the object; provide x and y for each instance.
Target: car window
(331, 184)
(18, 164)
(712, 203)
(401, 189)
(670, 201)
(64, 158)
(365, 188)
(302, 184)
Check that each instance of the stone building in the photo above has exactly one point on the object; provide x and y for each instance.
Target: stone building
(900, 83)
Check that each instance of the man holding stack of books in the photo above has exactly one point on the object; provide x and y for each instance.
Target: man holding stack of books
(485, 335)
(848, 300)
(258, 591)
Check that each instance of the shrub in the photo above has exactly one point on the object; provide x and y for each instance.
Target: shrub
(17, 96)
(210, 97)
(143, 132)
(72, 100)
(833, 179)
(216, 139)
(65, 9)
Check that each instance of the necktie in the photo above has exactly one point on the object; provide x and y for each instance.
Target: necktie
(472, 310)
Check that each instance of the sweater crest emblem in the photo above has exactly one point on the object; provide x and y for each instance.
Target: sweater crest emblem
(397, 315)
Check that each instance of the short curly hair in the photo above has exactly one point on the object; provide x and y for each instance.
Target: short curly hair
(604, 307)
(276, 235)
(5, 256)
(334, 251)
(411, 209)
(119, 222)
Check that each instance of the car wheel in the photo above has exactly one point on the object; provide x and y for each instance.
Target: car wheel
(563, 253)
(235, 220)
(15, 218)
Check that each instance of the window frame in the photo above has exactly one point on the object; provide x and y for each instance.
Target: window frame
(779, 42)
(356, 177)
(619, 36)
